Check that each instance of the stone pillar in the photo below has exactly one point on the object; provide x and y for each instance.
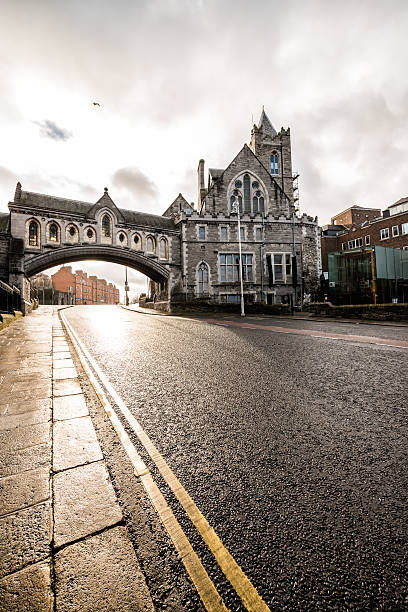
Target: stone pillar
(16, 272)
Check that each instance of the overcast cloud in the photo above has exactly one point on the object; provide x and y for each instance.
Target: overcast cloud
(49, 129)
(178, 80)
(137, 184)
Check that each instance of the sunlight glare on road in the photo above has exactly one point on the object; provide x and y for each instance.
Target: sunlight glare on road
(107, 317)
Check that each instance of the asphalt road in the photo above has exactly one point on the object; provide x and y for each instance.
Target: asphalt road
(294, 447)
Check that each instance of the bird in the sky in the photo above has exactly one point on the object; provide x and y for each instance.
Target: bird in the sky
(96, 103)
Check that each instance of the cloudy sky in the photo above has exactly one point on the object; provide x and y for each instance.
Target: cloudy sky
(178, 80)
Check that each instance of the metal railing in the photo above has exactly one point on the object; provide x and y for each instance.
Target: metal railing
(9, 298)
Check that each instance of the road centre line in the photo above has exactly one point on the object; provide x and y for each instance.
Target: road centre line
(311, 332)
(205, 588)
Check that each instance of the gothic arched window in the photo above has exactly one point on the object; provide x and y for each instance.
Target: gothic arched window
(54, 232)
(150, 245)
(33, 234)
(163, 248)
(71, 233)
(249, 191)
(202, 278)
(274, 163)
(106, 226)
(137, 241)
(258, 202)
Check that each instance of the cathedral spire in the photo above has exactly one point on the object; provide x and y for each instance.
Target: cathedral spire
(265, 125)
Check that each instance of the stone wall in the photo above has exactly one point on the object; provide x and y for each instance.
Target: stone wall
(378, 312)
(4, 247)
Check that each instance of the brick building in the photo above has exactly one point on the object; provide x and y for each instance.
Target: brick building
(388, 230)
(355, 215)
(85, 289)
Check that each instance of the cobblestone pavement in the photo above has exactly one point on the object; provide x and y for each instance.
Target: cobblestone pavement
(63, 542)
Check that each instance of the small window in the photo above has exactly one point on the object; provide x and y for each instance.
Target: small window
(343, 246)
(202, 277)
(385, 233)
(53, 232)
(72, 231)
(367, 239)
(278, 267)
(106, 226)
(121, 237)
(288, 265)
(224, 233)
(359, 242)
(258, 233)
(150, 245)
(395, 231)
(274, 163)
(233, 298)
(201, 233)
(404, 229)
(89, 233)
(242, 229)
(33, 237)
(163, 249)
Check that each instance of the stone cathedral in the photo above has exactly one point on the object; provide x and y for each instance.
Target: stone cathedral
(280, 249)
(191, 252)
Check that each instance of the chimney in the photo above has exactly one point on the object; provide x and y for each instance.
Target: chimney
(201, 187)
(17, 194)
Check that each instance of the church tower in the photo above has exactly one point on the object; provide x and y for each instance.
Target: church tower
(274, 150)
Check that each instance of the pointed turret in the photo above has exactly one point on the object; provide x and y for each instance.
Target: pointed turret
(273, 149)
(265, 125)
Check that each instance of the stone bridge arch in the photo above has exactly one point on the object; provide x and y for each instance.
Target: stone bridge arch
(35, 263)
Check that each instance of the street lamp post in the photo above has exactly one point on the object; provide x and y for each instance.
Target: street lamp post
(235, 209)
(126, 288)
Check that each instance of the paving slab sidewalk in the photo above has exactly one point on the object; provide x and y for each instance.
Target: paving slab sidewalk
(63, 542)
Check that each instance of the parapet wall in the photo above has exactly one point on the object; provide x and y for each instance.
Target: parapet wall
(377, 312)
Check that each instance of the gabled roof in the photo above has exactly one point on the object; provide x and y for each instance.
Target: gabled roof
(88, 210)
(265, 125)
(179, 204)
(106, 202)
(245, 149)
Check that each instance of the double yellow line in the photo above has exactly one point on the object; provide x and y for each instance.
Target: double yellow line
(202, 582)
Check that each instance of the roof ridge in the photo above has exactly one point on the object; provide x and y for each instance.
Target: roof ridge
(47, 195)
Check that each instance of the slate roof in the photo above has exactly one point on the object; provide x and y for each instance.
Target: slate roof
(65, 205)
(266, 125)
(215, 173)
